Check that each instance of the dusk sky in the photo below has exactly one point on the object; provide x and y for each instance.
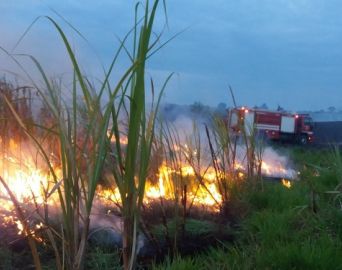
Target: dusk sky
(278, 52)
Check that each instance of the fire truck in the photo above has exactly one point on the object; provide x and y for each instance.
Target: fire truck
(273, 125)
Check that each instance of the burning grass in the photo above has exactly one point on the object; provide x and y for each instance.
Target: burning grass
(178, 192)
(282, 229)
(103, 156)
(62, 182)
(190, 181)
(193, 198)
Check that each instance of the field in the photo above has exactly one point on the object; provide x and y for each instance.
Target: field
(93, 177)
(271, 228)
(296, 228)
(328, 133)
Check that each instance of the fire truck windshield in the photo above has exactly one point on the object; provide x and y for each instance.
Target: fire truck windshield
(308, 122)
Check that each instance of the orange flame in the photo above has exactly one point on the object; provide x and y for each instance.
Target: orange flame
(30, 184)
(286, 183)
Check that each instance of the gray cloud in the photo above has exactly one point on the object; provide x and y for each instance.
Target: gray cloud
(283, 52)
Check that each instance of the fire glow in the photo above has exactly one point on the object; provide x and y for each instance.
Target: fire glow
(28, 183)
(32, 185)
(24, 177)
(199, 195)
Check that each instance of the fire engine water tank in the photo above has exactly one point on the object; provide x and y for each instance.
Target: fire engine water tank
(287, 124)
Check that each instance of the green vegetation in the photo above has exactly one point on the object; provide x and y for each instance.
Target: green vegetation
(279, 228)
(249, 223)
(80, 130)
(296, 228)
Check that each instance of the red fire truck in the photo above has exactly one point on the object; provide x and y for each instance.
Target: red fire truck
(273, 125)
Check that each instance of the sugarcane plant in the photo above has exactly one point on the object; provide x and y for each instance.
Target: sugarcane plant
(130, 163)
(83, 130)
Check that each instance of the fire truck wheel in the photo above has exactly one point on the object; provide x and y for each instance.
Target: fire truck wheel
(303, 140)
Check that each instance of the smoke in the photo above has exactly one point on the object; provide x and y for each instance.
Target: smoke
(279, 166)
(273, 163)
(185, 127)
(101, 219)
(190, 125)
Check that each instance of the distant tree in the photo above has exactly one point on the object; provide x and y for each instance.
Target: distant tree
(264, 106)
(197, 107)
(169, 107)
(280, 109)
(221, 106)
(170, 111)
(331, 109)
(221, 109)
(200, 111)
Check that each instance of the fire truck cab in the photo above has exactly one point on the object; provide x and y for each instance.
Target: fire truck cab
(273, 125)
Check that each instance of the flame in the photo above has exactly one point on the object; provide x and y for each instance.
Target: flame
(275, 169)
(123, 139)
(205, 194)
(30, 184)
(27, 182)
(286, 183)
(154, 192)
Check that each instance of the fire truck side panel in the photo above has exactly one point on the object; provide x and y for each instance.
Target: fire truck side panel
(287, 124)
(268, 118)
(272, 135)
(269, 123)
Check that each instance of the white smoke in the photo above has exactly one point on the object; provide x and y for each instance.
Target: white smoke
(274, 163)
(279, 165)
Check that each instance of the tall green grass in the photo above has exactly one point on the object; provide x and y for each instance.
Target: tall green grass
(281, 230)
(130, 165)
(80, 133)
